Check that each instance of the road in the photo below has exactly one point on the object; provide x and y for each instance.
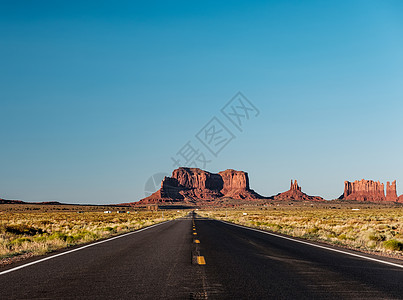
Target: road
(201, 259)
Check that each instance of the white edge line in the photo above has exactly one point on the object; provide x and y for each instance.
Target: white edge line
(314, 245)
(80, 248)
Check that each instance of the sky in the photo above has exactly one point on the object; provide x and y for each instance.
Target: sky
(98, 98)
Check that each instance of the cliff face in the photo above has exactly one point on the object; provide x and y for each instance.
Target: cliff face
(368, 190)
(391, 193)
(192, 184)
(236, 185)
(295, 194)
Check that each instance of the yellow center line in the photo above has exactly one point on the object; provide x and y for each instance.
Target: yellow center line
(201, 260)
(197, 241)
(194, 233)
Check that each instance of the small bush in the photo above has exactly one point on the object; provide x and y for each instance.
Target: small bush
(376, 237)
(59, 236)
(393, 245)
(40, 238)
(22, 230)
(19, 241)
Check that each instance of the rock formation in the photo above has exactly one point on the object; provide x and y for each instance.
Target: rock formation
(192, 184)
(364, 190)
(368, 190)
(391, 194)
(294, 186)
(295, 194)
(4, 201)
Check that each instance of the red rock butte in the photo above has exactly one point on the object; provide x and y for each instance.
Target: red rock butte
(190, 185)
(295, 194)
(371, 191)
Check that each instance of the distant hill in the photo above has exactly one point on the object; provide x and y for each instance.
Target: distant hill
(4, 201)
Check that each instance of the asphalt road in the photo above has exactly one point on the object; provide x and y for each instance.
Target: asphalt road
(166, 262)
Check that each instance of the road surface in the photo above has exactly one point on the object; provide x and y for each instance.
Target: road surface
(202, 259)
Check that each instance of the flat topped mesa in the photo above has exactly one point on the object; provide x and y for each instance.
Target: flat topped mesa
(193, 184)
(371, 191)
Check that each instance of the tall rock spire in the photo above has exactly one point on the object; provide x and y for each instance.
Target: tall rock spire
(294, 186)
(391, 194)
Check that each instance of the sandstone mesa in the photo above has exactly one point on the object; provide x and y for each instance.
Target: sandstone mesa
(370, 191)
(193, 185)
(189, 185)
(196, 186)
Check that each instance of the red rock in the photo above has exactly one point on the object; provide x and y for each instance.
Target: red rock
(368, 190)
(294, 186)
(295, 194)
(400, 199)
(193, 184)
(391, 194)
(236, 185)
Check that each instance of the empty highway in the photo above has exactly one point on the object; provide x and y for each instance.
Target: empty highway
(199, 258)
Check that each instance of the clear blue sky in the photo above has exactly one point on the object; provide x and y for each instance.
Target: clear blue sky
(96, 97)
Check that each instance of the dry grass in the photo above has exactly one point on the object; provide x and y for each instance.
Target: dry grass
(370, 229)
(23, 231)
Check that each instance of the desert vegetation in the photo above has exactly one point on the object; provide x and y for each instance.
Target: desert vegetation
(31, 231)
(367, 229)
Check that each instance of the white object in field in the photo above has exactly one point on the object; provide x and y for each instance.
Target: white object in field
(355, 209)
(245, 214)
(107, 212)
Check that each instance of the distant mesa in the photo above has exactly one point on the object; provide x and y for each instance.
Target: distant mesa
(4, 201)
(370, 191)
(194, 187)
(295, 194)
(191, 185)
